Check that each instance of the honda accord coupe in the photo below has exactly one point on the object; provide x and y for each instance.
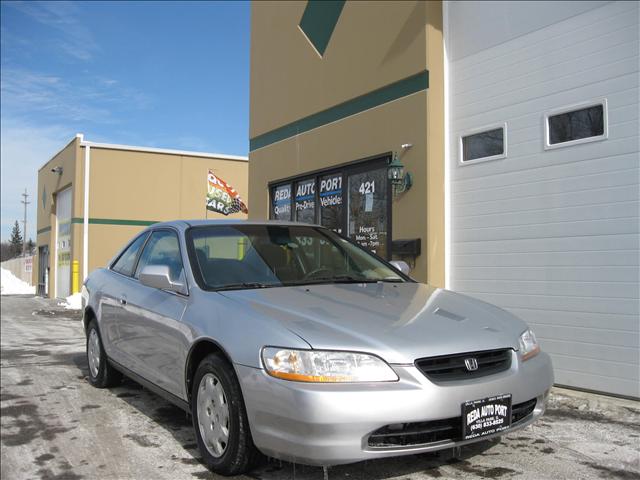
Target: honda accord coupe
(290, 340)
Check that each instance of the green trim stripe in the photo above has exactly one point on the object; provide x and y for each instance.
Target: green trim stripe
(115, 221)
(319, 20)
(394, 91)
(106, 221)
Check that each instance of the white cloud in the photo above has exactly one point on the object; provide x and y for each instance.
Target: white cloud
(70, 37)
(26, 92)
(40, 114)
(23, 150)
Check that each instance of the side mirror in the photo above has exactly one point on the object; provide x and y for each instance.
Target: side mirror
(401, 265)
(159, 276)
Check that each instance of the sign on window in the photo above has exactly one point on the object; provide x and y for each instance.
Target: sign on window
(331, 208)
(306, 201)
(282, 202)
(368, 210)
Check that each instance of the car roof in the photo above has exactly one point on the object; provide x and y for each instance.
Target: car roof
(184, 224)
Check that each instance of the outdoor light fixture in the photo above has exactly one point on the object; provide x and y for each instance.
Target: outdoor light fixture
(401, 181)
(57, 170)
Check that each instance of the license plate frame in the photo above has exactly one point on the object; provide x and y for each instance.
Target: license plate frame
(486, 416)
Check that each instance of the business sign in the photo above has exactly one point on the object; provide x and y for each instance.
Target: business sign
(222, 197)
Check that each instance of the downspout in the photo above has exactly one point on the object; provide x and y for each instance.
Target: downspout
(85, 223)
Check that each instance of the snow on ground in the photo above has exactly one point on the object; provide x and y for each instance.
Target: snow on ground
(12, 285)
(73, 302)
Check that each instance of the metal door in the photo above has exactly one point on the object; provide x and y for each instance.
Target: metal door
(153, 337)
(43, 271)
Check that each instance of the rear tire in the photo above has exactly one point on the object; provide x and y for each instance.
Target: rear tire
(220, 419)
(101, 373)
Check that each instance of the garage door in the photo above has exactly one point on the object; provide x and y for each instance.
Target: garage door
(544, 176)
(63, 243)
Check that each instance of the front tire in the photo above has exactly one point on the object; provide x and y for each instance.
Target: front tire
(101, 373)
(220, 419)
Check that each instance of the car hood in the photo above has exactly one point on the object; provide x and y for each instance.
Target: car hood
(399, 322)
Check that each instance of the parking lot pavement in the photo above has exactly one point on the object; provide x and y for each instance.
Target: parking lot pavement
(55, 425)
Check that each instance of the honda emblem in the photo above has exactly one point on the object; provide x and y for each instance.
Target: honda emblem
(471, 364)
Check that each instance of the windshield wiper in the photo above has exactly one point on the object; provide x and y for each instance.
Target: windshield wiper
(247, 285)
(334, 279)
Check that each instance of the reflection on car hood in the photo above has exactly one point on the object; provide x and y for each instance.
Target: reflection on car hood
(399, 322)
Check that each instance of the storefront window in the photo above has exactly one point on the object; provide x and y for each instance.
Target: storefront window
(331, 208)
(281, 202)
(353, 201)
(306, 201)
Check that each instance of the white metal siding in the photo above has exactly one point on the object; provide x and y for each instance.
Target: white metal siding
(552, 236)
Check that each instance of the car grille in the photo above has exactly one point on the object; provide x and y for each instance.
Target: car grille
(449, 429)
(452, 367)
(522, 410)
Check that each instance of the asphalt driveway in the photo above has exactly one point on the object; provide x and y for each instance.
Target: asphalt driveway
(55, 425)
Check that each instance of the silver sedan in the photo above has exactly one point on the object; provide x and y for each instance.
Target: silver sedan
(290, 340)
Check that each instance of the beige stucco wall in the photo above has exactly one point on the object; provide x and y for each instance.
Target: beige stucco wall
(374, 44)
(152, 186)
(435, 146)
(127, 185)
(145, 186)
(378, 131)
(52, 183)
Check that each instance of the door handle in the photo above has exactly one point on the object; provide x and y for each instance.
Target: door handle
(123, 301)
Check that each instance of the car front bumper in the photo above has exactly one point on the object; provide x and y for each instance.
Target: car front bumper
(330, 424)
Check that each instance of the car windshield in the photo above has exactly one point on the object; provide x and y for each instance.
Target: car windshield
(227, 257)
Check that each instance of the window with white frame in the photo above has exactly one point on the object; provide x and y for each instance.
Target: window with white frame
(483, 144)
(576, 124)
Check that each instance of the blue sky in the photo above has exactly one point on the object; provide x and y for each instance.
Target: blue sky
(159, 74)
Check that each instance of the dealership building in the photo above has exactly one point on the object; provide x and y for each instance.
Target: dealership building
(94, 197)
(493, 146)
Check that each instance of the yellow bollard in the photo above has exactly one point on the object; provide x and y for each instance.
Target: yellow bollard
(242, 247)
(75, 276)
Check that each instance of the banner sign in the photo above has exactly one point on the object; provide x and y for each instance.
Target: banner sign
(222, 198)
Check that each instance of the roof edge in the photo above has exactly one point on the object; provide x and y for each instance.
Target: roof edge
(78, 136)
(168, 151)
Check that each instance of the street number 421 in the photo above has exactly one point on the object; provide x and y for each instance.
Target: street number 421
(367, 187)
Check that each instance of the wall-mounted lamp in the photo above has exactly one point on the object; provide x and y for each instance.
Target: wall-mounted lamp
(401, 181)
(57, 170)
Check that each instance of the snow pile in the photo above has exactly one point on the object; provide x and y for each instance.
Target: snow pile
(73, 302)
(12, 285)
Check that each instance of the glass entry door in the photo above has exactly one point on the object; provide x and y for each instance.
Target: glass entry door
(368, 222)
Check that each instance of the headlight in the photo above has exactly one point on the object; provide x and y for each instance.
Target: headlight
(324, 366)
(528, 345)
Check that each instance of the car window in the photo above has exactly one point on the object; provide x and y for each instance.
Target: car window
(163, 249)
(252, 256)
(127, 261)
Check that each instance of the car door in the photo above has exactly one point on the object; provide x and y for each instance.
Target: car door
(154, 337)
(113, 299)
